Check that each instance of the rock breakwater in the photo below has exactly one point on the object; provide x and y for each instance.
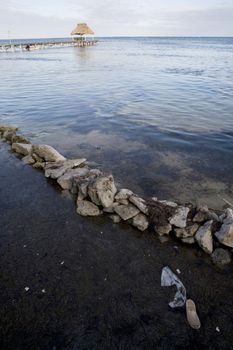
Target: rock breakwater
(96, 194)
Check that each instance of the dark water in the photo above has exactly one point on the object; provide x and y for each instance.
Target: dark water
(92, 284)
(155, 111)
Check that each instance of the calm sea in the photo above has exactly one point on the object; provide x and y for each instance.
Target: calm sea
(157, 112)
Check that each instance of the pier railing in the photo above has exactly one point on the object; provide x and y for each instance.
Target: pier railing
(45, 45)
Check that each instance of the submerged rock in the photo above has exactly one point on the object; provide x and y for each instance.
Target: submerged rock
(179, 219)
(102, 191)
(48, 153)
(225, 235)
(126, 212)
(57, 169)
(8, 136)
(86, 208)
(221, 257)
(163, 229)
(112, 207)
(140, 221)
(19, 139)
(115, 218)
(28, 160)
(22, 148)
(39, 165)
(188, 240)
(204, 237)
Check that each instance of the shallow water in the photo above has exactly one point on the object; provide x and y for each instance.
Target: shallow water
(92, 284)
(157, 112)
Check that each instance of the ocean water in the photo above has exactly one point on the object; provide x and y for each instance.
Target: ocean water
(156, 112)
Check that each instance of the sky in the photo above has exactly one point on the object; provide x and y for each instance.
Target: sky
(57, 18)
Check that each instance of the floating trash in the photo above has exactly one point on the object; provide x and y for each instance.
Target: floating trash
(168, 279)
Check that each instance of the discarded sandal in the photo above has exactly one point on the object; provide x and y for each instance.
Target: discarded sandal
(192, 316)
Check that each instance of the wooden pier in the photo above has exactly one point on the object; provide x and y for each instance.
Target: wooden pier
(45, 45)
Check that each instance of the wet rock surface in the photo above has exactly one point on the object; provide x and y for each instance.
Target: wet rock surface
(92, 284)
(221, 257)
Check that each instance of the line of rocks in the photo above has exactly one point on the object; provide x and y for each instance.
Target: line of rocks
(97, 194)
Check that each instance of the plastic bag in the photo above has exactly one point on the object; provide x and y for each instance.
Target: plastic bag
(168, 278)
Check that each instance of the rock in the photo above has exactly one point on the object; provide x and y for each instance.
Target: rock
(163, 229)
(112, 207)
(139, 203)
(86, 208)
(122, 201)
(22, 148)
(102, 191)
(126, 212)
(227, 216)
(115, 218)
(48, 153)
(189, 231)
(37, 158)
(163, 239)
(66, 180)
(8, 135)
(179, 219)
(225, 235)
(204, 237)
(202, 214)
(80, 183)
(28, 160)
(221, 257)
(20, 139)
(57, 169)
(188, 240)
(169, 203)
(123, 194)
(39, 165)
(140, 221)
(4, 128)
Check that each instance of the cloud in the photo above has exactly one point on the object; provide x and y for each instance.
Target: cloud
(56, 18)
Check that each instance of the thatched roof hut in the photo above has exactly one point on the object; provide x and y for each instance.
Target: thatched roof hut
(82, 29)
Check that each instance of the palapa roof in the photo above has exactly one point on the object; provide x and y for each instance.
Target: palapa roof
(82, 29)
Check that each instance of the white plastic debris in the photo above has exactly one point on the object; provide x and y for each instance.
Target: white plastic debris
(27, 289)
(168, 279)
(62, 263)
(217, 329)
(43, 291)
(178, 271)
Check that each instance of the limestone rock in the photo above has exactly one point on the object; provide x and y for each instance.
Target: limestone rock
(22, 148)
(204, 237)
(189, 231)
(225, 235)
(80, 183)
(102, 191)
(48, 153)
(139, 203)
(37, 158)
(57, 169)
(163, 229)
(227, 216)
(179, 219)
(28, 160)
(122, 201)
(66, 180)
(169, 203)
(188, 240)
(115, 218)
(86, 208)
(140, 221)
(8, 136)
(20, 139)
(4, 128)
(39, 165)
(126, 212)
(221, 257)
(202, 214)
(123, 194)
(111, 209)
